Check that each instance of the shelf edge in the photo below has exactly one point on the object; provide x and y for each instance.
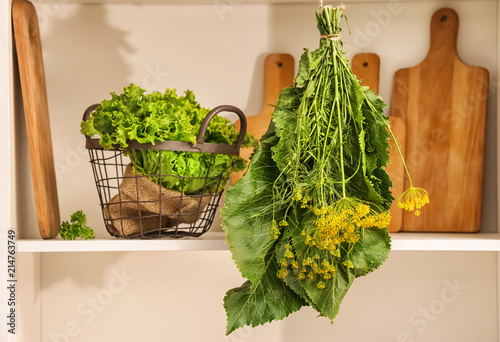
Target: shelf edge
(214, 241)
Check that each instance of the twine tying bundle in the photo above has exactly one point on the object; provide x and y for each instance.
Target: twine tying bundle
(333, 36)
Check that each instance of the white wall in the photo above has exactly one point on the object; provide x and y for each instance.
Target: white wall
(91, 50)
(177, 296)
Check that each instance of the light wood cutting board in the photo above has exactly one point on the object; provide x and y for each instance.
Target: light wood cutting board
(31, 71)
(444, 103)
(366, 66)
(278, 73)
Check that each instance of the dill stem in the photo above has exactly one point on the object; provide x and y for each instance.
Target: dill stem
(337, 107)
(400, 154)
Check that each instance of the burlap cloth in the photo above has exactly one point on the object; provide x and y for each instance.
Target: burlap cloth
(141, 204)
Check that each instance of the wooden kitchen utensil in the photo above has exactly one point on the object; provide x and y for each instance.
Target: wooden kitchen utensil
(366, 66)
(31, 71)
(444, 103)
(278, 74)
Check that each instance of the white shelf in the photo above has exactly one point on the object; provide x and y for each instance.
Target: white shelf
(211, 241)
(214, 241)
(445, 242)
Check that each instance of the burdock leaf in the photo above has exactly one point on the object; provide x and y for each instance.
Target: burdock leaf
(371, 251)
(261, 302)
(248, 212)
(327, 300)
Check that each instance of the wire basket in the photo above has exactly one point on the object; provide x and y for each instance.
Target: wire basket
(135, 206)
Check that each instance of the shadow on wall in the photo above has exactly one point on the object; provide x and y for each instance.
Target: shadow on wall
(82, 50)
(85, 59)
(256, 92)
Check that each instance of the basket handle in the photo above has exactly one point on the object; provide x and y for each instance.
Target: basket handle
(89, 110)
(217, 110)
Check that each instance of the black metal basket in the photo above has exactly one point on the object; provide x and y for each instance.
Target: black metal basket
(133, 206)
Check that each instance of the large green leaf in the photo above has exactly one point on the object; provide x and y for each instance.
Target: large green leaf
(290, 280)
(247, 214)
(371, 251)
(261, 302)
(326, 301)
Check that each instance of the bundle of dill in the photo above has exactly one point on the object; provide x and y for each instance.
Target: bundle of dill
(311, 213)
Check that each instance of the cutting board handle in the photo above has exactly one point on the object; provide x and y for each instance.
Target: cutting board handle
(444, 33)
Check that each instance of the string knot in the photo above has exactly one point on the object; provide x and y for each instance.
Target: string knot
(333, 36)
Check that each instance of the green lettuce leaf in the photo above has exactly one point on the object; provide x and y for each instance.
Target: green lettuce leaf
(149, 118)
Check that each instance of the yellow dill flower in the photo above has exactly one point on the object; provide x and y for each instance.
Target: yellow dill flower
(289, 254)
(283, 223)
(348, 263)
(305, 202)
(413, 199)
(362, 210)
(351, 237)
(297, 194)
(295, 264)
(383, 220)
(283, 262)
(321, 285)
(301, 276)
(274, 232)
(282, 273)
(320, 211)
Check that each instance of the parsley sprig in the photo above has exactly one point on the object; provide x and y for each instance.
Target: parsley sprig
(77, 227)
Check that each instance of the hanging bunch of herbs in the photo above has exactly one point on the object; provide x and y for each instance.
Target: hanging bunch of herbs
(312, 211)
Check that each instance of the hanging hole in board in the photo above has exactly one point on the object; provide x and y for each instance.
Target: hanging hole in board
(280, 64)
(365, 64)
(444, 18)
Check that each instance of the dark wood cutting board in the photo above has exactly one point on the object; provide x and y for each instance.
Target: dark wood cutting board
(444, 103)
(31, 71)
(366, 66)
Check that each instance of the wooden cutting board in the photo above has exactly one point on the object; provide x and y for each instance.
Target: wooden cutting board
(444, 103)
(31, 71)
(278, 73)
(366, 66)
